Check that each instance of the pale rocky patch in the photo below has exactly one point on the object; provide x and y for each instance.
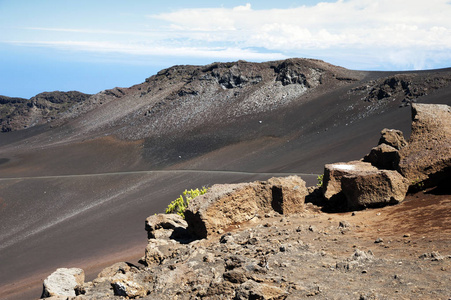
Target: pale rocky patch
(62, 282)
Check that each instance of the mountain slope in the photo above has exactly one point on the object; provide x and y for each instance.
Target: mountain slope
(77, 189)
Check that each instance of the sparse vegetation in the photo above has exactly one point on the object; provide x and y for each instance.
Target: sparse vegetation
(419, 185)
(179, 205)
(320, 180)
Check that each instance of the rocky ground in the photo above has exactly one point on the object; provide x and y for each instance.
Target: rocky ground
(372, 254)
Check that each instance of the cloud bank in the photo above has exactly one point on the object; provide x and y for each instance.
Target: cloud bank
(384, 34)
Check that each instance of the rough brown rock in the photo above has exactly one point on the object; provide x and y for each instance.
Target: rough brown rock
(230, 204)
(288, 194)
(333, 173)
(374, 188)
(426, 161)
(62, 282)
(129, 289)
(157, 250)
(255, 290)
(392, 137)
(383, 157)
(112, 271)
(162, 225)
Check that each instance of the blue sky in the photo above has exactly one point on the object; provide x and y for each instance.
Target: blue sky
(89, 45)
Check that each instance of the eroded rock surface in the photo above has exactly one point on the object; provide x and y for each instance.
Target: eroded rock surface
(426, 161)
(374, 188)
(225, 205)
(392, 137)
(333, 173)
(383, 156)
(164, 225)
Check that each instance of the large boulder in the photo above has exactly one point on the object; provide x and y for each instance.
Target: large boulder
(62, 282)
(383, 157)
(333, 173)
(426, 160)
(374, 189)
(230, 204)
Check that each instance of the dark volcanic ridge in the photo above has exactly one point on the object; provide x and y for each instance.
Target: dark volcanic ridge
(20, 113)
(192, 97)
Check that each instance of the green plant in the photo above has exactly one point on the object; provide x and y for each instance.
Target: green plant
(179, 205)
(419, 185)
(320, 180)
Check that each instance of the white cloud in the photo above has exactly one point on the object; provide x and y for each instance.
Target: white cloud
(389, 25)
(155, 50)
(390, 33)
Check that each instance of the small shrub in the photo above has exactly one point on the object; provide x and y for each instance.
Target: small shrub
(320, 180)
(419, 185)
(179, 205)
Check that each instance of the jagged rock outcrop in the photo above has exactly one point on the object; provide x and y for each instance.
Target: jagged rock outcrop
(63, 282)
(19, 113)
(383, 157)
(225, 205)
(386, 155)
(395, 164)
(374, 188)
(426, 160)
(404, 87)
(393, 138)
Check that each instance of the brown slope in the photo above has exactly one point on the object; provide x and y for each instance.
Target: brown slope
(270, 117)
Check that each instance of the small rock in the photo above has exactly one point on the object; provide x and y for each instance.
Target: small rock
(436, 256)
(62, 282)
(254, 290)
(378, 240)
(235, 276)
(361, 255)
(226, 238)
(209, 258)
(128, 289)
(344, 224)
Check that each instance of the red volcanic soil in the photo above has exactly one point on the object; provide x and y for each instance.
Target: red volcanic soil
(76, 193)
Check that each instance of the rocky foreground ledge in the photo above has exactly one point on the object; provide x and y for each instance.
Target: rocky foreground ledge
(274, 239)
